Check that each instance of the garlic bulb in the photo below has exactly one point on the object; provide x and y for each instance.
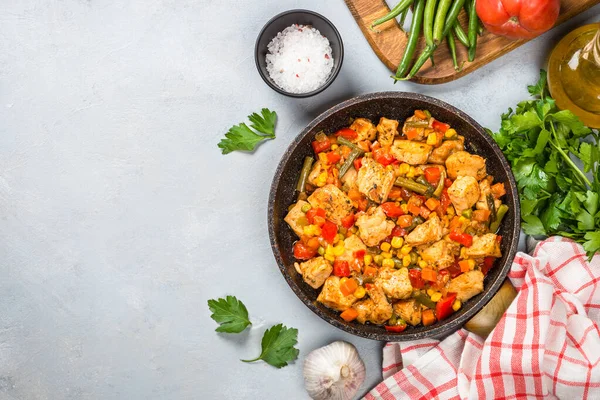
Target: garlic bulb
(333, 372)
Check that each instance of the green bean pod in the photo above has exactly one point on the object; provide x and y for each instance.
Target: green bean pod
(473, 25)
(394, 12)
(345, 142)
(500, 213)
(452, 47)
(413, 38)
(428, 21)
(349, 161)
(306, 167)
(461, 35)
(403, 18)
(440, 19)
(412, 185)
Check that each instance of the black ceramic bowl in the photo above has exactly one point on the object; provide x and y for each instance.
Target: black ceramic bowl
(302, 17)
(396, 105)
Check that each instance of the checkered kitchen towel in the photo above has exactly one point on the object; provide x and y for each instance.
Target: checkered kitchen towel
(547, 344)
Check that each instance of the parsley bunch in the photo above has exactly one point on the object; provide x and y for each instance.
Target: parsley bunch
(556, 162)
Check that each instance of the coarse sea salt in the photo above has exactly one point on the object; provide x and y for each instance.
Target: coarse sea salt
(299, 59)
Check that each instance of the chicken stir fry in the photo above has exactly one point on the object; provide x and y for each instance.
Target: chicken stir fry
(396, 221)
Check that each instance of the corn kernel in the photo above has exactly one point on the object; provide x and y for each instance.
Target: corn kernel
(334, 147)
(432, 139)
(450, 133)
(430, 292)
(436, 297)
(343, 280)
(378, 259)
(323, 158)
(386, 255)
(389, 168)
(411, 172)
(456, 305)
(463, 220)
(360, 292)
(404, 208)
(388, 263)
(403, 169)
(321, 179)
(423, 264)
(406, 261)
(321, 250)
(329, 257)
(368, 259)
(339, 249)
(405, 249)
(385, 246)
(312, 230)
(397, 242)
(463, 252)
(329, 250)
(306, 207)
(471, 264)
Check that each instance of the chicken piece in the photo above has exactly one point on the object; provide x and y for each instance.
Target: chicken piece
(383, 309)
(440, 154)
(374, 180)
(464, 192)
(409, 311)
(365, 129)
(462, 163)
(484, 246)
(364, 308)
(352, 244)
(317, 169)
(387, 129)
(373, 226)
(314, 271)
(394, 282)
(410, 152)
(349, 178)
(430, 231)
(441, 254)
(331, 296)
(466, 285)
(294, 216)
(331, 199)
(484, 190)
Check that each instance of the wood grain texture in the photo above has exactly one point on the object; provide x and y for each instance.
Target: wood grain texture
(388, 40)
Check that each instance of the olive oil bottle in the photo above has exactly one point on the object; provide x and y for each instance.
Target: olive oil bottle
(574, 73)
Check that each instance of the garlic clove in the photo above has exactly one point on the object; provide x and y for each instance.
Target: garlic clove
(333, 372)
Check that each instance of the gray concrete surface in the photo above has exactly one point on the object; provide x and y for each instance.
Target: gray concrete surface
(120, 217)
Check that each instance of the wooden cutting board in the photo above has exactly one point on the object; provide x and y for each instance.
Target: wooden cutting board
(389, 41)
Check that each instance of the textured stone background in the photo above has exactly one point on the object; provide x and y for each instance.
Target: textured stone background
(119, 216)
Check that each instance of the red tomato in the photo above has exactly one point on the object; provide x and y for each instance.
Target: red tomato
(463, 238)
(391, 209)
(432, 175)
(443, 308)
(416, 280)
(488, 263)
(302, 252)
(341, 268)
(383, 157)
(320, 146)
(328, 231)
(314, 212)
(347, 133)
(395, 328)
(518, 19)
(440, 126)
(357, 163)
(348, 221)
(333, 157)
(454, 269)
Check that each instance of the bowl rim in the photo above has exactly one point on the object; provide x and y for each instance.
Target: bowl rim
(329, 80)
(441, 329)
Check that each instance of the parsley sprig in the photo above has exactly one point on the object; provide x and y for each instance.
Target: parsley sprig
(230, 313)
(278, 346)
(241, 137)
(546, 147)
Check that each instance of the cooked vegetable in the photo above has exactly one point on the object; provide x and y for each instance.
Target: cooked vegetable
(278, 346)
(518, 19)
(306, 167)
(413, 38)
(500, 213)
(412, 185)
(557, 197)
(241, 137)
(230, 313)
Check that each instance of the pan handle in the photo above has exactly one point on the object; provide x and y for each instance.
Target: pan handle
(485, 320)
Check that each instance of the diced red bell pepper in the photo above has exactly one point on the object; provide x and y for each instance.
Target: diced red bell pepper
(341, 268)
(347, 133)
(443, 308)
(395, 328)
(397, 231)
(383, 157)
(303, 252)
(432, 175)
(463, 238)
(348, 221)
(447, 182)
(440, 126)
(321, 145)
(360, 254)
(488, 263)
(416, 280)
(314, 212)
(328, 231)
(357, 163)
(454, 269)
(333, 157)
(391, 209)
(369, 286)
(499, 238)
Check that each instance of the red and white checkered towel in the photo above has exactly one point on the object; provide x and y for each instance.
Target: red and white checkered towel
(547, 344)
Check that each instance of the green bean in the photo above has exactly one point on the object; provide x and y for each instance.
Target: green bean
(473, 22)
(502, 210)
(348, 163)
(421, 179)
(428, 21)
(306, 167)
(424, 299)
(440, 186)
(413, 38)
(479, 24)
(394, 12)
(346, 142)
(440, 19)
(417, 124)
(492, 206)
(403, 18)
(452, 47)
(461, 35)
(411, 185)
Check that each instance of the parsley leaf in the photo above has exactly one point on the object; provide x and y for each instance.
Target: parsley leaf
(241, 137)
(539, 88)
(230, 313)
(278, 346)
(592, 243)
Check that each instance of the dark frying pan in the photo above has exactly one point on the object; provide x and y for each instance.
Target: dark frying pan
(395, 105)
